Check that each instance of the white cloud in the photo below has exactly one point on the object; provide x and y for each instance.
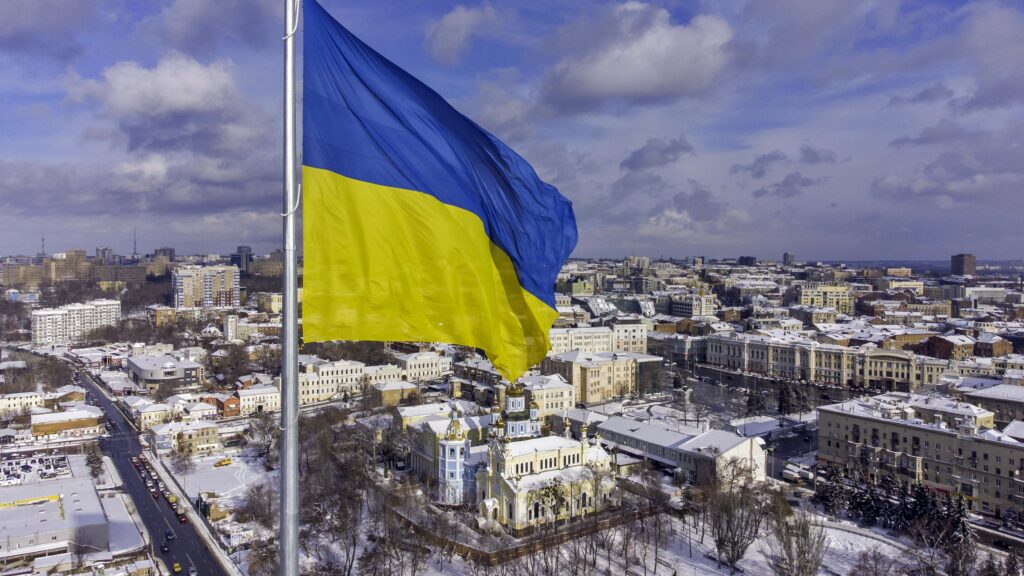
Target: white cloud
(644, 57)
(448, 38)
(176, 84)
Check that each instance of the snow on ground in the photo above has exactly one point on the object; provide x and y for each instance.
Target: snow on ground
(676, 560)
(124, 534)
(229, 482)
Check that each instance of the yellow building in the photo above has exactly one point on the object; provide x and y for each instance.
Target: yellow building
(945, 445)
(598, 377)
(530, 482)
(389, 394)
(827, 296)
(552, 395)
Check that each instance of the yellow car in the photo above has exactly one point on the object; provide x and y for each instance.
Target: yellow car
(223, 462)
(176, 568)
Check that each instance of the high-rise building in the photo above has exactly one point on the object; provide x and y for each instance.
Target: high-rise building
(166, 252)
(963, 265)
(105, 254)
(242, 258)
(747, 261)
(205, 287)
(788, 259)
(69, 323)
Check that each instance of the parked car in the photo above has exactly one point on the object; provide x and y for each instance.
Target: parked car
(165, 548)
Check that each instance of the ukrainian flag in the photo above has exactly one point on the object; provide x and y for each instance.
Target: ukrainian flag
(417, 223)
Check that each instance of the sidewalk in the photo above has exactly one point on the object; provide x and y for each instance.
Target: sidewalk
(200, 525)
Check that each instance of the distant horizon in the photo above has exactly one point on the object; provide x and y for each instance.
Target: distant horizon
(90, 252)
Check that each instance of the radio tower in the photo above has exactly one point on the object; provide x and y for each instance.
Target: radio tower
(43, 247)
(135, 245)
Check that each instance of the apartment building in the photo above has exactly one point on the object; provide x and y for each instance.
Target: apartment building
(694, 305)
(945, 445)
(69, 323)
(827, 296)
(1005, 400)
(205, 287)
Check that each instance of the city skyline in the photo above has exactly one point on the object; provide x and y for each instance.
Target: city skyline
(882, 132)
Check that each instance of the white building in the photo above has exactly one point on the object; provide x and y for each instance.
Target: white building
(422, 366)
(373, 375)
(320, 380)
(69, 323)
(258, 399)
(694, 305)
(615, 338)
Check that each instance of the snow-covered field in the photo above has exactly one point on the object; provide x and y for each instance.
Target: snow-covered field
(229, 482)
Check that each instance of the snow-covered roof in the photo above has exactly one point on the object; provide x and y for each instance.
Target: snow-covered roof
(1010, 392)
(257, 390)
(439, 409)
(713, 442)
(542, 444)
(79, 413)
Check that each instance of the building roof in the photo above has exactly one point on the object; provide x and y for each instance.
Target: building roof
(1008, 392)
(394, 385)
(647, 433)
(82, 412)
(79, 507)
(542, 444)
(438, 409)
(257, 391)
(713, 442)
(548, 382)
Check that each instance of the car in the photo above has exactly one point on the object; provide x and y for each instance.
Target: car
(154, 493)
(176, 568)
(223, 462)
(182, 518)
(192, 571)
(165, 548)
(169, 535)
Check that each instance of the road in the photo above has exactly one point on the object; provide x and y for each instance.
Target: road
(187, 548)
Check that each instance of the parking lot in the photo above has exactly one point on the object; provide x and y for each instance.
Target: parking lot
(27, 468)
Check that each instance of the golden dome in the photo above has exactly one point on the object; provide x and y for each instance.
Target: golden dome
(455, 431)
(516, 389)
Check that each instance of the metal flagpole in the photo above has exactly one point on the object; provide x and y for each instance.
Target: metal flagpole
(289, 530)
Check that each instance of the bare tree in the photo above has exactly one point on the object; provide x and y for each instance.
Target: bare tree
(734, 518)
(874, 563)
(263, 558)
(800, 545)
(927, 557)
(183, 462)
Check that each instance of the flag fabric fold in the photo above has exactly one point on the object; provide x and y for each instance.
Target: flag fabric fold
(418, 224)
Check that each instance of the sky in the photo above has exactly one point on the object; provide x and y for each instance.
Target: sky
(834, 129)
